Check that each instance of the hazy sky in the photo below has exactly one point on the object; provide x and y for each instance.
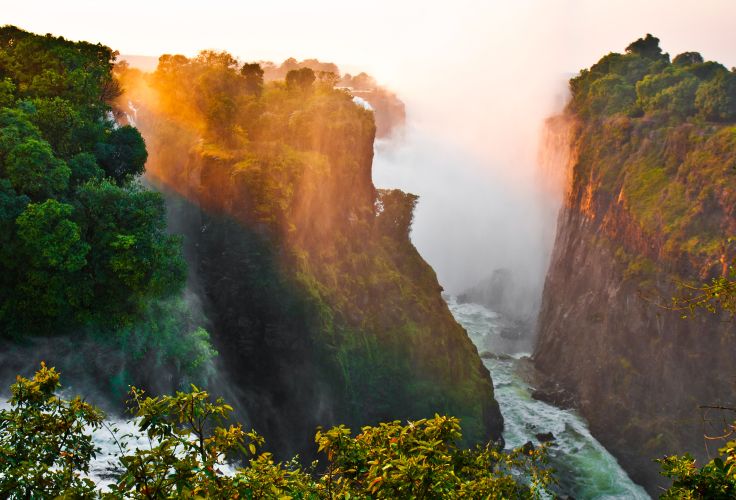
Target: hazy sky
(457, 63)
(478, 78)
(386, 36)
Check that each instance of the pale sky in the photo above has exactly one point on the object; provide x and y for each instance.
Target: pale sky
(456, 63)
(383, 34)
(478, 77)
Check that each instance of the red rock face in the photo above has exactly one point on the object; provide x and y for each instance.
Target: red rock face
(638, 372)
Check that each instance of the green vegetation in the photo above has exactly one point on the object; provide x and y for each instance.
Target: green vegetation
(45, 445)
(83, 247)
(290, 161)
(714, 480)
(46, 448)
(719, 295)
(657, 142)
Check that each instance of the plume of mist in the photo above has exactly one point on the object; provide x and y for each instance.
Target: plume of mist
(479, 212)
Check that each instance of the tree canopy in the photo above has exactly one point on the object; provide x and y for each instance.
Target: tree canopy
(83, 246)
(46, 448)
(82, 240)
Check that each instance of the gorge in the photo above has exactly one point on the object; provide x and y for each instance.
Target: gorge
(251, 228)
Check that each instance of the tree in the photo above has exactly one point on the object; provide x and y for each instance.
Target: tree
(49, 286)
(395, 213)
(123, 155)
(188, 449)
(646, 47)
(33, 169)
(135, 261)
(716, 99)
(687, 59)
(45, 441)
(300, 79)
(671, 91)
(60, 124)
(15, 127)
(83, 168)
(7, 90)
(253, 74)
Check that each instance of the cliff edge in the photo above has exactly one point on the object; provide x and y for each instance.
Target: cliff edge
(651, 202)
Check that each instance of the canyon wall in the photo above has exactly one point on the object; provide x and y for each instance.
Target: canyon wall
(651, 202)
(322, 310)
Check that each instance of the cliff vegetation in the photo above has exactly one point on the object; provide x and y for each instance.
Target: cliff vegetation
(319, 302)
(650, 207)
(84, 253)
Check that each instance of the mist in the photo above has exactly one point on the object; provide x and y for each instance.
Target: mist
(479, 79)
(476, 149)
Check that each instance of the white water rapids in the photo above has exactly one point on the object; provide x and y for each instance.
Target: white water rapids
(584, 468)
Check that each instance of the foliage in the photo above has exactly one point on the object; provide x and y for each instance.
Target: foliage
(188, 447)
(716, 99)
(253, 74)
(45, 441)
(45, 449)
(84, 248)
(715, 480)
(719, 295)
(301, 79)
(88, 243)
(123, 155)
(395, 212)
(646, 47)
(289, 167)
(422, 460)
(669, 89)
(687, 59)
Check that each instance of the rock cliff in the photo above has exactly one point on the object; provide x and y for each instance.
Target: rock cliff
(321, 308)
(651, 202)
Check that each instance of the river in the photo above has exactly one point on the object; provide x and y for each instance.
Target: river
(584, 468)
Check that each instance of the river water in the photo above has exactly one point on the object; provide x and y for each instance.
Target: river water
(584, 468)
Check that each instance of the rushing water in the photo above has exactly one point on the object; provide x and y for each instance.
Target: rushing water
(585, 469)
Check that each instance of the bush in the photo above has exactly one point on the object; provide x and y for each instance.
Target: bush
(716, 99)
(46, 448)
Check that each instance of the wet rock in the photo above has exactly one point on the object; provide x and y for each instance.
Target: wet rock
(545, 437)
(555, 395)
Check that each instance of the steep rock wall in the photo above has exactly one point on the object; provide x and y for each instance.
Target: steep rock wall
(650, 203)
(637, 370)
(321, 308)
